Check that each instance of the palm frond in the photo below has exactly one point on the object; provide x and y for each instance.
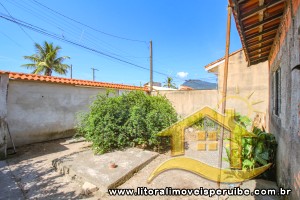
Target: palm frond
(33, 58)
(30, 65)
(38, 70)
(61, 59)
(61, 68)
(46, 60)
(39, 50)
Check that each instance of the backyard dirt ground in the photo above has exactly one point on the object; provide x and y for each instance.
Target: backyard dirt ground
(33, 171)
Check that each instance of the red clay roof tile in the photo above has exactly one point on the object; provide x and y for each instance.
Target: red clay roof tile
(53, 79)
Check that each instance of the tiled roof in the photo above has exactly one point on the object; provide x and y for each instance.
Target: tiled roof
(53, 79)
(219, 60)
(260, 24)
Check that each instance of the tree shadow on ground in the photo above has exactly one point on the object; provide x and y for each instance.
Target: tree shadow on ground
(37, 149)
(33, 171)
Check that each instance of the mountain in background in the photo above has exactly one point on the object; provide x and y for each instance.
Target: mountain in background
(194, 84)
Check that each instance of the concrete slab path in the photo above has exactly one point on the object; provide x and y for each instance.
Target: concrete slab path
(98, 170)
(9, 188)
(35, 176)
(32, 169)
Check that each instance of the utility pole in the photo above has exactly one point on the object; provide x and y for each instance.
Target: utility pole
(71, 71)
(94, 69)
(151, 68)
(224, 88)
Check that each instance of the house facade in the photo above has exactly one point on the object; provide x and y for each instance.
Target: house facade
(285, 99)
(270, 31)
(247, 86)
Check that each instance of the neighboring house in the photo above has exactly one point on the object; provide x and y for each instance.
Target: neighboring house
(247, 86)
(270, 31)
(194, 84)
(158, 84)
(157, 87)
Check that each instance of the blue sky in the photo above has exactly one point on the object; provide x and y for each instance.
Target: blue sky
(186, 36)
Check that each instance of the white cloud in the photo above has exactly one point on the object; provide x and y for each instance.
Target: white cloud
(182, 74)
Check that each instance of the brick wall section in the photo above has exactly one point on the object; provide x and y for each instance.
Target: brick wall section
(281, 34)
(285, 126)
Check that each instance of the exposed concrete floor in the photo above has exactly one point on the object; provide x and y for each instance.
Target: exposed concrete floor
(33, 171)
(97, 169)
(9, 188)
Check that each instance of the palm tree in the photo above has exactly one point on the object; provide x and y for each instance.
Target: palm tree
(169, 83)
(46, 60)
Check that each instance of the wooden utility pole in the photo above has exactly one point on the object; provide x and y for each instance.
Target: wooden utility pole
(151, 68)
(71, 71)
(224, 92)
(224, 88)
(94, 69)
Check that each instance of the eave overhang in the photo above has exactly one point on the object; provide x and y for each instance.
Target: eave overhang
(257, 22)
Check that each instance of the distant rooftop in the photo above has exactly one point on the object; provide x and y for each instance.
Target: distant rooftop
(158, 84)
(219, 61)
(195, 84)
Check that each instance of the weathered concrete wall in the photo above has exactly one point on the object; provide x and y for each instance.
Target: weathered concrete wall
(40, 111)
(188, 102)
(247, 91)
(3, 115)
(247, 87)
(286, 125)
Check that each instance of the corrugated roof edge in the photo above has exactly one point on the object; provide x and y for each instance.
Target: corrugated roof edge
(54, 79)
(219, 60)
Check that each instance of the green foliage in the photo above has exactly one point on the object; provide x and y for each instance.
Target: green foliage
(131, 119)
(256, 151)
(46, 59)
(243, 120)
(169, 83)
(205, 124)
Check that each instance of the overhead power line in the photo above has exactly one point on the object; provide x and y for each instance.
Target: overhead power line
(19, 26)
(97, 30)
(69, 29)
(15, 42)
(42, 15)
(55, 36)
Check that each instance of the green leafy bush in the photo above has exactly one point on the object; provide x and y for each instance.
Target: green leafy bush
(259, 151)
(131, 119)
(255, 151)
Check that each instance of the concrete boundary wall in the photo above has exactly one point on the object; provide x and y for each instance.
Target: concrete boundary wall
(39, 111)
(3, 115)
(187, 102)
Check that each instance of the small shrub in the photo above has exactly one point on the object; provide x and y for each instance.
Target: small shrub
(256, 151)
(132, 119)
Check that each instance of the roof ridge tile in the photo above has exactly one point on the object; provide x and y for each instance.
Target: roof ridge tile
(63, 80)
